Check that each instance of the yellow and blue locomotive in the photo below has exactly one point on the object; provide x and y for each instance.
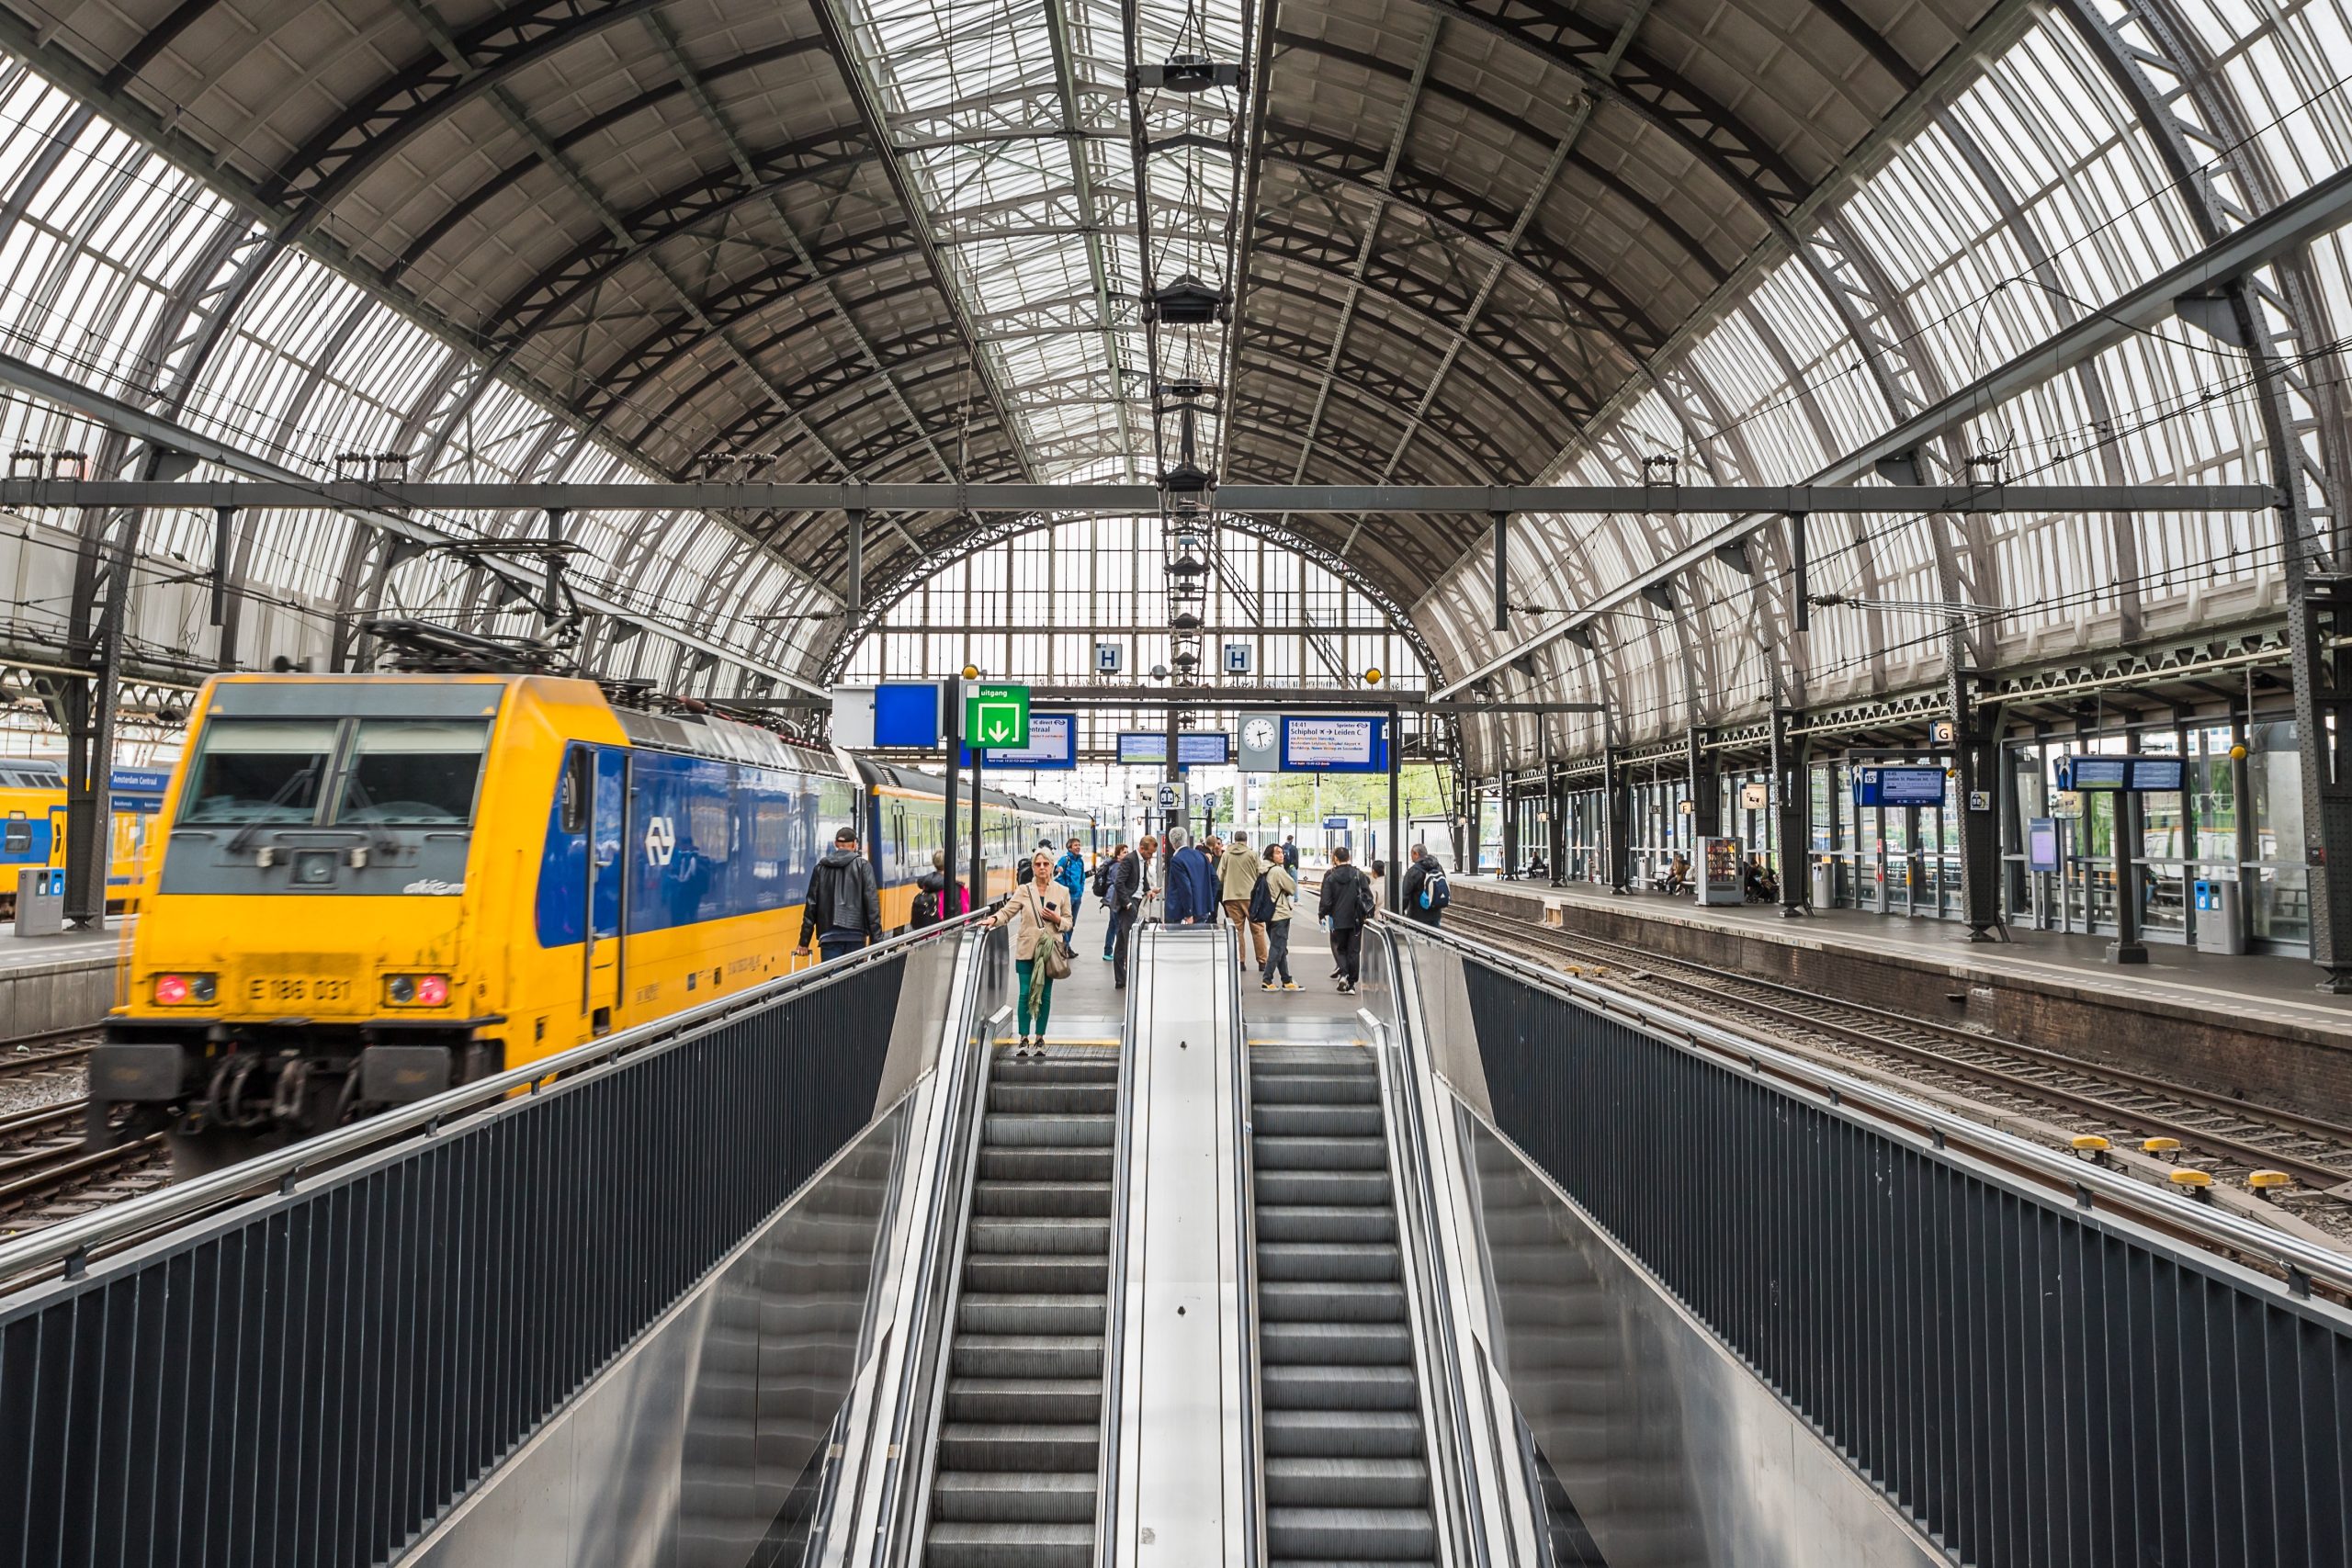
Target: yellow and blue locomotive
(372, 886)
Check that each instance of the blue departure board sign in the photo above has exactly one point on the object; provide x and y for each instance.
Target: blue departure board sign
(1899, 786)
(1053, 743)
(1333, 746)
(2133, 774)
(1194, 747)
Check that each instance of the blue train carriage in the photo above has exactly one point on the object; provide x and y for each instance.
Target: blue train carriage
(32, 826)
(375, 885)
(902, 828)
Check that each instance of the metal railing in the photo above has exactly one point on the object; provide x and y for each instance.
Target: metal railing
(2037, 1358)
(315, 1375)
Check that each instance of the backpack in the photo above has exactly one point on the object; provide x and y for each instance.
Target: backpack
(1366, 905)
(1102, 882)
(1435, 894)
(926, 909)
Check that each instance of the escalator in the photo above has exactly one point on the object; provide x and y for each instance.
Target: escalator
(1019, 1451)
(1347, 1475)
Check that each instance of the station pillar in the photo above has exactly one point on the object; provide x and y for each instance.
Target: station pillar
(1706, 795)
(1792, 800)
(1976, 751)
(1616, 822)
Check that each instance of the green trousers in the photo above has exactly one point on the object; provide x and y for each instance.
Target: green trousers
(1023, 968)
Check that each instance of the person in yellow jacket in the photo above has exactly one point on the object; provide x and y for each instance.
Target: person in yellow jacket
(1237, 878)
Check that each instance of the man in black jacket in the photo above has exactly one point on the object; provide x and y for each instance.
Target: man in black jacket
(1123, 894)
(1427, 868)
(843, 908)
(1346, 905)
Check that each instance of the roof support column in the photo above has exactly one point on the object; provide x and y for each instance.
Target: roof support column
(1706, 796)
(1975, 748)
(1792, 801)
(1617, 822)
(1502, 572)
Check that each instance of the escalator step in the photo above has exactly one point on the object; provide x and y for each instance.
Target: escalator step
(1019, 1446)
(1099, 1068)
(1331, 1434)
(1045, 1235)
(1091, 1199)
(1030, 1401)
(1066, 1499)
(1335, 1343)
(1356, 1483)
(1308, 1261)
(1348, 1388)
(1349, 1188)
(1321, 1087)
(977, 1313)
(1027, 1356)
(1352, 1535)
(1282, 1119)
(1326, 1221)
(1053, 1098)
(969, 1544)
(1010, 1275)
(1046, 1164)
(1319, 1154)
(1293, 1301)
(1004, 1132)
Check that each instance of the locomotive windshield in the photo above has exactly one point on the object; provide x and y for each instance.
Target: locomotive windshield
(413, 773)
(260, 770)
(375, 772)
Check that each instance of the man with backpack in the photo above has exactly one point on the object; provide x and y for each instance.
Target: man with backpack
(1426, 892)
(1070, 872)
(1346, 907)
(842, 910)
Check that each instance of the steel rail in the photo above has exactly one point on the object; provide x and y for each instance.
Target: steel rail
(2091, 1187)
(2309, 1172)
(72, 1242)
(35, 1059)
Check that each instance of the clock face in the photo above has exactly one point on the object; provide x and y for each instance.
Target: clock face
(1258, 734)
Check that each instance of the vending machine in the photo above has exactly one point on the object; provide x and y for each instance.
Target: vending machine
(1718, 871)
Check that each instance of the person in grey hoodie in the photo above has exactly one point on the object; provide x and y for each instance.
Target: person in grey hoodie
(843, 908)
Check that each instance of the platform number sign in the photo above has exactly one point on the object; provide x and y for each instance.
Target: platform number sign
(997, 716)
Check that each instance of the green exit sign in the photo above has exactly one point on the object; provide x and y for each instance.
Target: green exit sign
(997, 716)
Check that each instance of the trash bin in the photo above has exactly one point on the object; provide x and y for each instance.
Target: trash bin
(2220, 925)
(1824, 885)
(40, 902)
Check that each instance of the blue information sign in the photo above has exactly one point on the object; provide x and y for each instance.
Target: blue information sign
(906, 714)
(2132, 774)
(1194, 747)
(1899, 786)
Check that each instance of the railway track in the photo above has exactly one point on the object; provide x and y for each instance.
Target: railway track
(39, 1053)
(2225, 1137)
(46, 1174)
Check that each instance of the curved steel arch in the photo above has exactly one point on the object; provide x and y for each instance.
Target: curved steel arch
(596, 125)
(1642, 209)
(1464, 214)
(1499, 341)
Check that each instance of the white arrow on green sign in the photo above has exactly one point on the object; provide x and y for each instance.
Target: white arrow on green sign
(997, 717)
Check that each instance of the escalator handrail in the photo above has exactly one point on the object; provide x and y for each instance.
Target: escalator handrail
(1438, 1295)
(1245, 1271)
(1115, 1288)
(965, 1105)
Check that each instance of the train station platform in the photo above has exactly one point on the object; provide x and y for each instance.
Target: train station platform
(52, 985)
(2253, 1025)
(824, 1271)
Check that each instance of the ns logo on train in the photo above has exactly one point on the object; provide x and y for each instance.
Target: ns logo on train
(661, 841)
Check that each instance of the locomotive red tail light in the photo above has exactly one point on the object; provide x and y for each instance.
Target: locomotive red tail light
(179, 990)
(417, 991)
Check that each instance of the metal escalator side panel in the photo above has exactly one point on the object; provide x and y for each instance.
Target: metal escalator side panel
(1487, 1503)
(1183, 1477)
(898, 1453)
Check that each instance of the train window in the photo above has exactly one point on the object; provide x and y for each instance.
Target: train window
(19, 832)
(572, 789)
(259, 770)
(417, 773)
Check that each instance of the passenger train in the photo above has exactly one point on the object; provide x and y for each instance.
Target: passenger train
(373, 887)
(32, 824)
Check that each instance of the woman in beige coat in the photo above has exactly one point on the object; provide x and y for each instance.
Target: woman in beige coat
(1038, 911)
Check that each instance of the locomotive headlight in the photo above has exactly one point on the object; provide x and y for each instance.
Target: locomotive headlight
(417, 991)
(181, 990)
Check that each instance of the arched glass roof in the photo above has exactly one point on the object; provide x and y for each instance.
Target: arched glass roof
(1460, 243)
